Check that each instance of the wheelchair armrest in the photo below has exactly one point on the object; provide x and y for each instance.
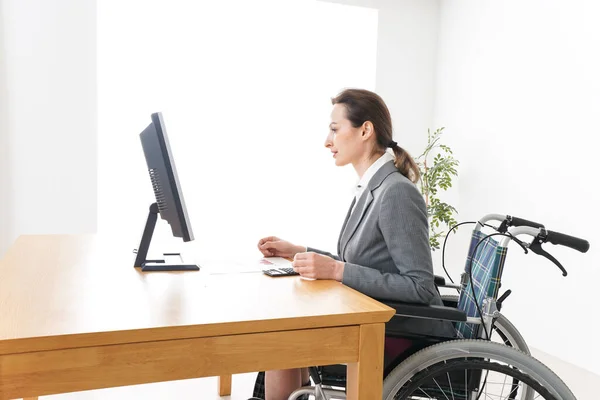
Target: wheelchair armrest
(426, 311)
(439, 280)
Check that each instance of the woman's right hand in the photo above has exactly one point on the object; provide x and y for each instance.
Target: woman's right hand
(272, 246)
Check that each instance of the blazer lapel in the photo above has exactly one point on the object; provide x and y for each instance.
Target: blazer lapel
(339, 247)
(362, 206)
(357, 215)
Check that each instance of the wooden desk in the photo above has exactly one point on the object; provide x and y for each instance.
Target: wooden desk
(75, 315)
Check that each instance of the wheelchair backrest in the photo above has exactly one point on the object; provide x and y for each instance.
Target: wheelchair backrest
(487, 263)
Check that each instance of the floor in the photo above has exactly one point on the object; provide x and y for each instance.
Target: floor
(579, 380)
(196, 389)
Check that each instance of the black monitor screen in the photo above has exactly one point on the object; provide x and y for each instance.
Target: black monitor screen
(163, 176)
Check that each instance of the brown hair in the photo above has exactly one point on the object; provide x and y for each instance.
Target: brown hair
(363, 105)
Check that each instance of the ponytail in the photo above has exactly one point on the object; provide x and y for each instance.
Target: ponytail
(405, 163)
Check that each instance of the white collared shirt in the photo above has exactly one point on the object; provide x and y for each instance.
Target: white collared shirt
(369, 173)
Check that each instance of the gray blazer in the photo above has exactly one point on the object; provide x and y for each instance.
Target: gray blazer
(384, 243)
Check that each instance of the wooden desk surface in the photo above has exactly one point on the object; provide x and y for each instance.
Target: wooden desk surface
(66, 291)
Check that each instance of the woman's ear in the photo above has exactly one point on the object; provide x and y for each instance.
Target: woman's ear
(367, 130)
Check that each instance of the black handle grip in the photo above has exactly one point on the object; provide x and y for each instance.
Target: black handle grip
(515, 221)
(439, 280)
(569, 241)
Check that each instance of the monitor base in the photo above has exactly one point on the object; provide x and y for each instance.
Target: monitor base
(155, 267)
(172, 262)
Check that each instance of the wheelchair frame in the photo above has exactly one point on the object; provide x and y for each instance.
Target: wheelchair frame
(408, 364)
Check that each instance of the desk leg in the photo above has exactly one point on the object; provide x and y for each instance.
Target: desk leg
(365, 377)
(225, 385)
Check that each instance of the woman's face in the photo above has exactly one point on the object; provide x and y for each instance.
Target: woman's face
(343, 139)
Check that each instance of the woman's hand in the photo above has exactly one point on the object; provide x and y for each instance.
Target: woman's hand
(272, 246)
(317, 266)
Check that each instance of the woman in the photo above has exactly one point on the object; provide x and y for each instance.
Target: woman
(383, 248)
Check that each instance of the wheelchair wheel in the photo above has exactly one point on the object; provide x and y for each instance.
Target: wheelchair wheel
(470, 370)
(503, 330)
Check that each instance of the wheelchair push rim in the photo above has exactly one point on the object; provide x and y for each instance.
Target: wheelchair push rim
(442, 353)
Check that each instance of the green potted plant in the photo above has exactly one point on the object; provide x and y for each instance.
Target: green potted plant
(437, 175)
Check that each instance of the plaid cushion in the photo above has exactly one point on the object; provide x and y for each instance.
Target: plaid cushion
(488, 262)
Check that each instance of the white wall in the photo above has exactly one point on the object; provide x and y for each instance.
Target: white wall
(49, 70)
(407, 49)
(519, 92)
(5, 187)
(209, 110)
(48, 125)
(406, 67)
(246, 100)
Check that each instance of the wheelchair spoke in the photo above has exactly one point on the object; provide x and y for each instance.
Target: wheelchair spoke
(493, 396)
(441, 390)
(482, 380)
(501, 394)
(428, 396)
(513, 391)
(450, 382)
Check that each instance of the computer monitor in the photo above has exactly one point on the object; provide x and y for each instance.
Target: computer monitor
(169, 199)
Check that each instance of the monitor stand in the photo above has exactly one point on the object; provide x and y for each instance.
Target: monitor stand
(172, 261)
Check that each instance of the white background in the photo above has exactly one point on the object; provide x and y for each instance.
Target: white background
(48, 126)
(246, 101)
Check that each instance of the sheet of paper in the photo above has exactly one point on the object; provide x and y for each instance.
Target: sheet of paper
(278, 261)
(228, 266)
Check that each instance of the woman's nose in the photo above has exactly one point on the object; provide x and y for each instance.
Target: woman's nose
(328, 141)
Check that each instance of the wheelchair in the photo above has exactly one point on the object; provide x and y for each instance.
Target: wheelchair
(469, 366)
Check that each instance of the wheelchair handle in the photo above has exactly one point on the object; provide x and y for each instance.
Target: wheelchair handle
(490, 217)
(572, 242)
(506, 221)
(521, 230)
(516, 221)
